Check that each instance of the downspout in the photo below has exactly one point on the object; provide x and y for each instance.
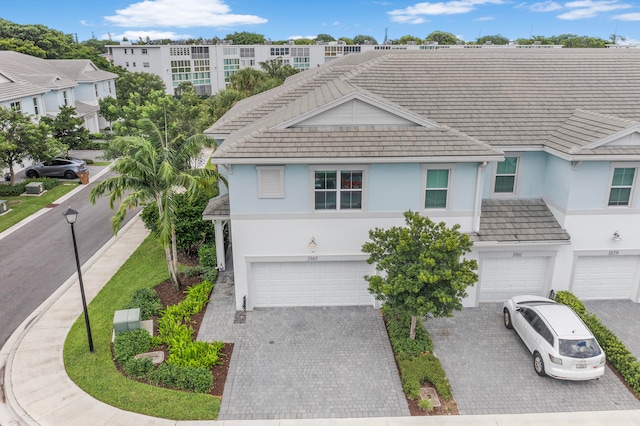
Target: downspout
(478, 199)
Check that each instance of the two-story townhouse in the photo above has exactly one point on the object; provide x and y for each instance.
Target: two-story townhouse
(40, 87)
(534, 153)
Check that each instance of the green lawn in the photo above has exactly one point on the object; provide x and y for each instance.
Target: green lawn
(22, 206)
(96, 373)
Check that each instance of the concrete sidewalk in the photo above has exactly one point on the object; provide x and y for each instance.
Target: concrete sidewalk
(37, 390)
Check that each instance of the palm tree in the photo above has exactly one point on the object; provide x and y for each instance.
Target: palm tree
(153, 170)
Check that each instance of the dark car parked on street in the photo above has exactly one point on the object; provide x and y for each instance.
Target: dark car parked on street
(58, 167)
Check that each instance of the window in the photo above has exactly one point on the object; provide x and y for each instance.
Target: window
(134, 64)
(621, 185)
(65, 98)
(36, 109)
(127, 64)
(506, 170)
(270, 182)
(125, 51)
(16, 106)
(437, 189)
(145, 51)
(109, 83)
(338, 189)
(145, 64)
(95, 88)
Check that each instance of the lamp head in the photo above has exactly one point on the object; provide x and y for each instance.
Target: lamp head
(71, 215)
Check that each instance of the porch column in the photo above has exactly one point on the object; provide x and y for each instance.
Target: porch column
(219, 237)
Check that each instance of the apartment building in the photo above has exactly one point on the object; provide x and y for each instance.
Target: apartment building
(209, 66)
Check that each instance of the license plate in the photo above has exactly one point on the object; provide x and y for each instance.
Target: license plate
(581, 365)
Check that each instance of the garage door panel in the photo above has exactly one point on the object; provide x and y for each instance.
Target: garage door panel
(605, 277)
(310, 284)
(505, 277)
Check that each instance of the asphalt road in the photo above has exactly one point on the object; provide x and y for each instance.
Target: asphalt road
(37, 258)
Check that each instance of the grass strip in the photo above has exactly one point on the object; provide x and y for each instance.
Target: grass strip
(96, 373)
(24, 206)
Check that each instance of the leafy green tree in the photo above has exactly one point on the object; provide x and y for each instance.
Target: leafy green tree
(276, 68)
(68, 128)
(19, 139)
(442, 37)
(493, 39)
(246, 80)
(152, 170)
(325, 37)
(245, 37)
(142, 84)
(22, 46)
(423, 269)
(303, 41)
(363, 39)
(566, 40)
(409, 38)
(223, 101)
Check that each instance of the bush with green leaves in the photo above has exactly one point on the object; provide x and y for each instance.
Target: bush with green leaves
(208, 256)
(147, 300)
(207, 274)
(191, 229)
(130, 343)
(617, 353)
(420, 369)
(180, 377)
(12, 191)
(173, 329)
(399, 326)
(138, 368)
(425, 405)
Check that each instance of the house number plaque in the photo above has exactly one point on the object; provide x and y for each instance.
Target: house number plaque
(312, 258)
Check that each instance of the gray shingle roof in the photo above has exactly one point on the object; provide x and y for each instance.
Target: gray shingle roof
(504, 97)
(217, 208)
(519, 220)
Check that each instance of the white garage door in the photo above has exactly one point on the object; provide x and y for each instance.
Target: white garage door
(504, 277)
(311, 284)
(605, 277)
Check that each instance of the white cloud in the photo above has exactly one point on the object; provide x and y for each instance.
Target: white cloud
(180, 14)
(545, 6)
(628, 17)
(297, 37)
(86, 23)
(414, 14)
(486, 18)
(153, 35)
(588, 8)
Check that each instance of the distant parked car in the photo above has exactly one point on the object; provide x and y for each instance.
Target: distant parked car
(58, 167)
(561, 344)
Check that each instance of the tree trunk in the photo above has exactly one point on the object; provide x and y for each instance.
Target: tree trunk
(174, 247)
(412, 333)
(172, 268)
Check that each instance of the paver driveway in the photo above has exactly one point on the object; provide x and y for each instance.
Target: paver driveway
(491, 371)
(622, 317)
(305, 362)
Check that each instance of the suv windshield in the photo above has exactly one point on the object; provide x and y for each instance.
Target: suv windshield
(585, 348)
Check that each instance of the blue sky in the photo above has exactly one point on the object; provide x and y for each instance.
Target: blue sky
(284, 19)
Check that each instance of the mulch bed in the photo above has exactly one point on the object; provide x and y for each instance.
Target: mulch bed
(170, 296)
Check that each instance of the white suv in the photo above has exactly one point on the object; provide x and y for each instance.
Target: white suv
(561, 344)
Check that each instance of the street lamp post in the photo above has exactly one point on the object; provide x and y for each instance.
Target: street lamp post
(71, 216)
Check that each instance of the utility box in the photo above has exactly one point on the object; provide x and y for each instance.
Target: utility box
(126, 320)
(34, 188)
(4, 206)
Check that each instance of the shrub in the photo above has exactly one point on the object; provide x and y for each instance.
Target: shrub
(425, 405)
(48, 183)
(138, 368)
(12, 191)
(617, 353)
(185, 378)
(420, 369)
(399, 327)
(207, 274)
(207, 255)
(147, 300)
(130, 343)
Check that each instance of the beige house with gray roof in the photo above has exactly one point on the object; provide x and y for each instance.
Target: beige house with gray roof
(535, 153)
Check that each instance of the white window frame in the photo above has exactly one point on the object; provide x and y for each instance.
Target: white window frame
(270, 181)
(516, 180)
(65, 97)
(425, 169)
(339, 169)
(36, 106)
(16, 106)
(633, 188)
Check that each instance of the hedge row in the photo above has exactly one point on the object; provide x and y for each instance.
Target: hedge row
(617, 353)
(415, 357)
(19, 188)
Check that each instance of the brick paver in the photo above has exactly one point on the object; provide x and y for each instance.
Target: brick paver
(491, 371)
(622, 317)
(304, 363)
